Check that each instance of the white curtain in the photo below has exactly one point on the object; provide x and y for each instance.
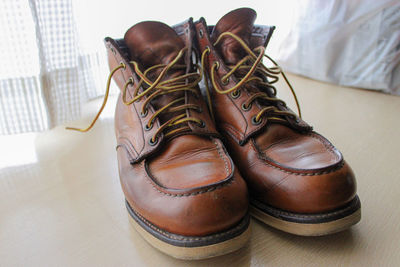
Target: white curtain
(45, 76)
(346, 42)
(53, 59)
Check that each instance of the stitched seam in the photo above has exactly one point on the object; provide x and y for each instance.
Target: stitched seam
(127, 143)
(325, 143)
(236, 132)
(296, 173)
(126, 150)
(190, 194)
(118, 57)
(139, 155)
(184, 238)
(222, 157)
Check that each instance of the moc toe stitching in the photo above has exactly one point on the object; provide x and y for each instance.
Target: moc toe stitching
(229, 168)
(206, 189)
(295, 171)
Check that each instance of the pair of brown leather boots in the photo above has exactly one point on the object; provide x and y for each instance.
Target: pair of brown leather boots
(195, 163)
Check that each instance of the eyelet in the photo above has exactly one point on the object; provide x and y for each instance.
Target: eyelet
(201, 33)
(216, 65)
(235, 94)
(246, 108)
(153, 143)
(144, 114)
(296, 119)
(113, 50)
(147, 127)
(254, 120)
(199, 110)
(225, 82)
(202, 124)
(123, 65)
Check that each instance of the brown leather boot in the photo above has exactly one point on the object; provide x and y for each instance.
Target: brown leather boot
(298, 181)
(181, 187)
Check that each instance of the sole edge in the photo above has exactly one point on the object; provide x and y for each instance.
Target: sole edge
(194, 251)
(307, 229)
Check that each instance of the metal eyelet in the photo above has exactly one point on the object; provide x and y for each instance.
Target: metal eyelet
(216, 65)
(147, 127)
(201, 33)
(254, 120)
(235, 94)
(144, 114)
(246, 108)
(226, 82)
(296, 119)
(113, 50)
(202, 124)
(153, 142)
(123, 65)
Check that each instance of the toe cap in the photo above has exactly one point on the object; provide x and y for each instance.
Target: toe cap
(314, 192)
(202, 212)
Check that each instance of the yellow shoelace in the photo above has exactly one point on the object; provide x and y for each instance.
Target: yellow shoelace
(256, 67)
(186, 82)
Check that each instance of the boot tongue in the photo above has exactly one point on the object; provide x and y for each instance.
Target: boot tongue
(239, 22)
(151, 43)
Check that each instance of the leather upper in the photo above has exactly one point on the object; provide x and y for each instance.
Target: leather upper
(285, 164)
(184, 206)
(186, 183)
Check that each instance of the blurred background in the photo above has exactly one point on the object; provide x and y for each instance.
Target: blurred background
(53, 57)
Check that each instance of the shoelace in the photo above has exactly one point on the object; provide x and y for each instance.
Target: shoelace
(257, 67)
(186, 82)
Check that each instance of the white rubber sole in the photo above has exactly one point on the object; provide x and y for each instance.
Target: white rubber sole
(307, 229)
(194, 253)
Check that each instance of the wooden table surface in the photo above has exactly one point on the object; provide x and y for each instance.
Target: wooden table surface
(61, 203)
